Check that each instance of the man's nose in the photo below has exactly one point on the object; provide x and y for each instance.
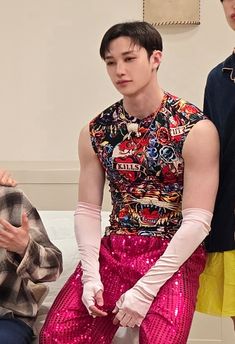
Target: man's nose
(120, 68)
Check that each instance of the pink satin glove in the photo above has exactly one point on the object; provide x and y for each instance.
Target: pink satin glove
(92, 295)
(132, 308)
(133, 305)
(88, 234)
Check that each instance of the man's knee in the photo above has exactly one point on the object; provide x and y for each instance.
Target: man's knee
(14, 331)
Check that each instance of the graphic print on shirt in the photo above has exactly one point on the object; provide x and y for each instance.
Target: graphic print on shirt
(144, 165)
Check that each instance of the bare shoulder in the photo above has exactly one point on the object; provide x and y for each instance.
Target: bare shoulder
(204, 128)
(202, 139)
(202, 132)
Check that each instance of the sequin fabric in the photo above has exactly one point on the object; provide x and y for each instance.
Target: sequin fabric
(144, 165)
(123, 260)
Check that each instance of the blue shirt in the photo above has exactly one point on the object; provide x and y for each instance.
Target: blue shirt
(219, 106)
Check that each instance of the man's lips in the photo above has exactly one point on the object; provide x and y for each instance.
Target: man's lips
(233, 16)
(123, 82)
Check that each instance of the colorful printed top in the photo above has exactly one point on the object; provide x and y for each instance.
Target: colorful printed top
(143, 162)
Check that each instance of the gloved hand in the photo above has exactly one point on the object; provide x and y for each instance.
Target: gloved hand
(88, 234)
(133, 305)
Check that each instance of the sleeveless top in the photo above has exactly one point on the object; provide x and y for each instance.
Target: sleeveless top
(142, 159)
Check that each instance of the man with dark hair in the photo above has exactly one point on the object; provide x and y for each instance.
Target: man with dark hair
(160, 155)
(143, 35)
(27, 258)
(217, 285)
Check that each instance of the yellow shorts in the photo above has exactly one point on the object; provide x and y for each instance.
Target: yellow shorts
(216, 295)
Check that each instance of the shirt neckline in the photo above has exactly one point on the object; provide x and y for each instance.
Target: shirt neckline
(149, 117)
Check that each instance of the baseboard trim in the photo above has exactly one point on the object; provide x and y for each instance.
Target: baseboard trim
(43, 172)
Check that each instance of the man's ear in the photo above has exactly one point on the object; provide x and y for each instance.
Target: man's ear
(156, 58)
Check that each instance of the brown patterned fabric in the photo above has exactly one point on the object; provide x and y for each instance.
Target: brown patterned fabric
(21, 287)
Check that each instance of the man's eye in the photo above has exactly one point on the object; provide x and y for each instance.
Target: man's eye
(129, 59)
(109, 63)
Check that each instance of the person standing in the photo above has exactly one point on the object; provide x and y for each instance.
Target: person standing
(216, 295)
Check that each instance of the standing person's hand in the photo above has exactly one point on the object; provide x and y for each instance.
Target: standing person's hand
(6, 179)
(14, 239)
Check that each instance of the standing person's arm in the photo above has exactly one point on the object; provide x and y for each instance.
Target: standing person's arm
(6, 179)
(88, 223)
(201, 174)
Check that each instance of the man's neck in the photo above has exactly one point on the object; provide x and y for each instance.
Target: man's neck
(142, 105)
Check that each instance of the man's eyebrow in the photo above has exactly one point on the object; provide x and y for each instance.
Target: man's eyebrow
(109, 57)
(128, 52)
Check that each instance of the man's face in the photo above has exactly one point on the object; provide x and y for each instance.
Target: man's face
(229, 10)
(129, 67)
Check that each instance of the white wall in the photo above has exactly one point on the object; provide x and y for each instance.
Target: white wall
(52, 80)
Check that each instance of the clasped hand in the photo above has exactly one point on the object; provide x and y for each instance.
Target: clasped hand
(14, 239)
(130, 310)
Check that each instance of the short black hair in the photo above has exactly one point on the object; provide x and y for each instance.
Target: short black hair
(141, 33)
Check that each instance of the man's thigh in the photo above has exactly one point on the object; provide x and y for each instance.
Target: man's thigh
(14, 331)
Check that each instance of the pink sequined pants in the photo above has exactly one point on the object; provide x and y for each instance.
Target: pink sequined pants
(123, 260)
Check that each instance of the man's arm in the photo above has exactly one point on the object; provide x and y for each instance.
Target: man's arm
(88, 223)
(92, 177)
(201, 174)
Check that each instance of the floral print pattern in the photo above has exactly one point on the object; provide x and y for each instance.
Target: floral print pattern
(143, 162)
